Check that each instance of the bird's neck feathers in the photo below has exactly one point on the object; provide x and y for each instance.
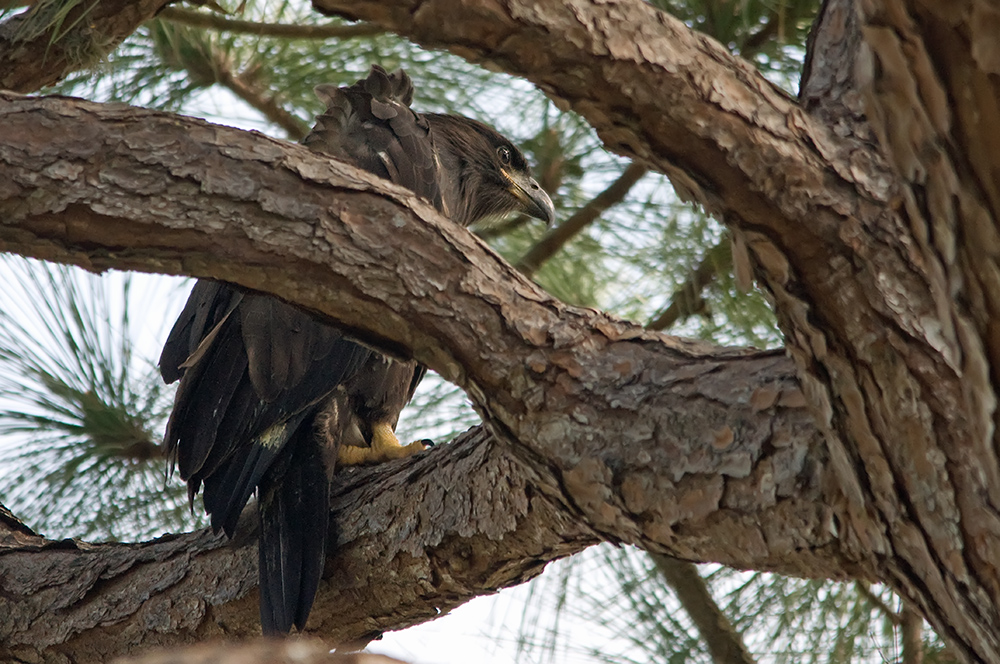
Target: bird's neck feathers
(464, 153)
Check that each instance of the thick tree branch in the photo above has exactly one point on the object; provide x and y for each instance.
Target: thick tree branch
(603, 430)
(37, 49)
(394, 568)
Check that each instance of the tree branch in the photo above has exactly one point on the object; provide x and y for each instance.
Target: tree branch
(206, 63)
(394, 567)
(889, 308)
(762, 35)
(417, 538)
(865, 591)
(9, 523)
(267, 104)
(199, 19)
(683, 301)
(724, 642)
(39, 47)
(912, 632)
(881, 264)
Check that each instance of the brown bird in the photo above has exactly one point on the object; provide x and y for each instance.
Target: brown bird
(271, 398)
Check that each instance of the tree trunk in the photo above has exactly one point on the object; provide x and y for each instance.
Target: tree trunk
(870, 209)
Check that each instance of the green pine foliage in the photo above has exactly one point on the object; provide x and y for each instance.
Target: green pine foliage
(629, 614)
(634, 616)
(81, 410)
(812, 621)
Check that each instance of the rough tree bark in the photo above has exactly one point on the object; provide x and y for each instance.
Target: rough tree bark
(881, 263)
(42, 45)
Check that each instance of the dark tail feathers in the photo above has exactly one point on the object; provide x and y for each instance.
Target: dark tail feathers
(294, 504)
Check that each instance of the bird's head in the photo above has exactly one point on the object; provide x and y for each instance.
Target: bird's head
(484, 174)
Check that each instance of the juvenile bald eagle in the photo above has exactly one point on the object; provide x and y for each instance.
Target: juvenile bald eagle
(271, 398)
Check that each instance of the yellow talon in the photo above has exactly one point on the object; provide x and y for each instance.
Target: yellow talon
(385, 446)
(352, 455)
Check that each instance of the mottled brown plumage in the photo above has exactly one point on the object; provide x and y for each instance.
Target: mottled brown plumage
(270, 397)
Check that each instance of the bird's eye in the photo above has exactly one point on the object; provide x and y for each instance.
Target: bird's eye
(504, 155)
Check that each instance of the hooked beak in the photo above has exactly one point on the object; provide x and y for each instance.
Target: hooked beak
(536, 202)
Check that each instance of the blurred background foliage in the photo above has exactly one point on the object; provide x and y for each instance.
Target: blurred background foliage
(82, 407)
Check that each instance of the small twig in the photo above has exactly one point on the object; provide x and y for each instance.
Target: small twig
(263, 102)
(756, 41)
(556, 238)
(873, 599)
(198, 19)
(141, 450)
(912, 633)
(725, 643)
(685, 300)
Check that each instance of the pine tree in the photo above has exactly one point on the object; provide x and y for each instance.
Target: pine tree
(83, 412)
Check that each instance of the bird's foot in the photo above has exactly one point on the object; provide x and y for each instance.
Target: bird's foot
(385, 447)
